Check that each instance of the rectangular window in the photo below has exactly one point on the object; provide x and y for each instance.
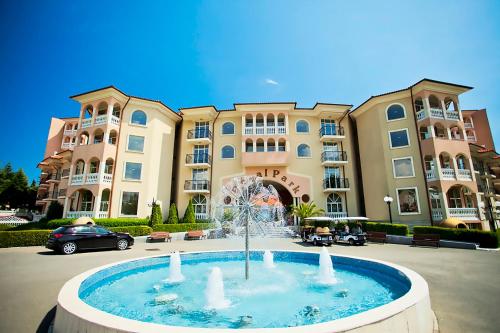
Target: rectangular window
(399, 138)
(408, 201)
(130, 202)
(200, 174)
(135, 143)
(133, 170)
(403, 167)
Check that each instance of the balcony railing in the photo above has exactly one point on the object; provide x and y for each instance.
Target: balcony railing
(447, 173)
(430, 174)
(336, 215)
(437, 214)
(452, 115)
(77, 214)
(200, 158)
(70, 132)
(270, 129)
(91, 178)
(333, 156)
(464, 213)
(199, 133)
(335, 183)
(68, 145)
(468, 125)
(100, 120)
(464, 174)
(471, 138)
(197, 185)
(331, 130)
(201, 216)
(436, 113)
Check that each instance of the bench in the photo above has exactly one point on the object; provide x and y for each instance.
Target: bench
(376, 236)
(195, 234)
(425, 240)
(159, 236)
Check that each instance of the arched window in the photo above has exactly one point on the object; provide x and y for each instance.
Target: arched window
(260, 145)
(102, 109)
(112, 137)
(461, 162)
(228, 128)
(419, 104)
(116, 110)
(80, 167)
(334, 203)
(200, 206)
(434, 102)
(395, 111)
(84, 138)
(303, 150)
(87, 113)
(281, 145)
(108, 167)
(98, 136)
(104, 200)
(94, 166)
(227, 152)
(248, 146)
(139, 118)
(87, 201)
(271, 145)
(302, 126)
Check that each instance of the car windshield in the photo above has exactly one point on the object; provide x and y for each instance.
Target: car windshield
(101, 230)
(59, 230)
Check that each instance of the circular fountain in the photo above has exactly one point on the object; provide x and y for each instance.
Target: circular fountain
(259, 291)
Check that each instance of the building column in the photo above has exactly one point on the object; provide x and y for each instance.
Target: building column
(265, 129)
(66, 201)
(265, 144)
(471, 168)
(275, 124)
(102, 165)
(97, 204)
(243, 124)
(287, 126)
(254, 144)
(448, 132)
(254, 123)
(443, 106)
(444, 205)
(455, 167)
(427, 105)
(432, 131)
(437, 167)
(464, 134)
(459, 110)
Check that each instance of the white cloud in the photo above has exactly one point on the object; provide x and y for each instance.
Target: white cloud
(271, 81)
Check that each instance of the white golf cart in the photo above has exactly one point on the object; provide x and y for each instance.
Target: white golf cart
(317, 235)
(352, 237)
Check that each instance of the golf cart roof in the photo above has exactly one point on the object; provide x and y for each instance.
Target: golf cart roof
(351, 218)
(319, 218)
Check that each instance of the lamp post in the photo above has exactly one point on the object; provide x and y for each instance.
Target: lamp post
(388, 200)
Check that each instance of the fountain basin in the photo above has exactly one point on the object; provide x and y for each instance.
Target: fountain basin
(410, 310)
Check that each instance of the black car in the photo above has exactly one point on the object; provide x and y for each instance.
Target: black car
(71, 238)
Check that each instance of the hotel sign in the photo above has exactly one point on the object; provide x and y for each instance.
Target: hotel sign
(293, 186)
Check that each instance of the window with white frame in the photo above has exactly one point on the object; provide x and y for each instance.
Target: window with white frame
(135, 143)
(130, 201)
(399, 138)
(302, 126)
(133, 171)
(408, 203)
(334, 203)
(228, 128)
(403, 167)
(227, 152)
(395, 112)
(303, 150)
(200, 205)
(139, 118)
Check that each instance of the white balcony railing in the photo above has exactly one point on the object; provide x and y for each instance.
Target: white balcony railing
(86, 123)
(107, 178)
(430, 174)
(281, 129)
(265, 130)
(437, 214)
(102, 215)
(421, 115)
(68, 145)
(468, 125)
(447, 173)
(77, 179)
(471, 138)
(92, 178)
(101, 120)
(201, 216)
(248, 130)
(70, 132)
(452, 115)
(77, 214)
(464, 174)
(436, 113)
(259, 130)
(336, 215)
(464, 213)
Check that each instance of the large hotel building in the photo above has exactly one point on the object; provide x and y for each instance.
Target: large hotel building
(415, 145)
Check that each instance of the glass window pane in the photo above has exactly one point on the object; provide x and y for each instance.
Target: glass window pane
(133, 170)
(139, 117)
(403, 168)
(136, 143)
(304, 150)
(129, 203)
(302, 126)
(227, 152)
(408, 201)
(399, 138)
(395, 112)
(228, 128)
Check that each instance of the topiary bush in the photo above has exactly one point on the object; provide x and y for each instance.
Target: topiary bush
(134, 231)
(183, 227)
(189, 216)
(55, 211)
(24, 238)
(486, 239)
(156, 217)
(173, 217)
(105, 222)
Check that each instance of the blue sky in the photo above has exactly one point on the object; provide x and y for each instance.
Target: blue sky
(189, 53)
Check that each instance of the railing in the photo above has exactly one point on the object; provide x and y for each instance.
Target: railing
(107, 178)
(332, 130)
(452, 115)
(437, 214)
(420, 115)
(464, 174)
(333, 156)
(115, 120)
(196, 185)
(430, 174)
(471, 138)
(335, 183)
(281, 129)
(92, 178)
(77, 214)
(468, 125)
(199, 133)
(77, 179)
(259, 130)
(270, 129)
(69, 132)
(102, 215)
(249, 130)
(68, 145)
(201, 216)
(436, 113)
(86, 123)
(336, 215)
(101, 120)
(464, 213)
(447, 173)
(200, 158)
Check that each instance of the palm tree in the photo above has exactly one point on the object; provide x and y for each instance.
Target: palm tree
(307, 210)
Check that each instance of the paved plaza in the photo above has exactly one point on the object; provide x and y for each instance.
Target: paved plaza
(464, 284)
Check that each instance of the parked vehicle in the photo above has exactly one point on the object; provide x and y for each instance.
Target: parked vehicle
(351, 237)
(318, 235)
(72, 238)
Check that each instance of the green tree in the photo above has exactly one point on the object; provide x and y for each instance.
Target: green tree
(173, 217)
(156, 217)
(55, 211)
(189, 216)
(14, 189)
(306, 210)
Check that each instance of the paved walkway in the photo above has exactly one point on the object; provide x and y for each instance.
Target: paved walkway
(464, 284)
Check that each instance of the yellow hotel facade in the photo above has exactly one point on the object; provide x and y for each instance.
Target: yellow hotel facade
(414, 145)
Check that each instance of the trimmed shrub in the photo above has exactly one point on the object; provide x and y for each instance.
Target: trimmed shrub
(4, 227)
(183, 227)
(55, 211)
(107, 222)
(24, 238)
(189, 216)
(134, 231)
(204, 221)
(156, 217)
(487, 239)
(30, 226)
(173, 217)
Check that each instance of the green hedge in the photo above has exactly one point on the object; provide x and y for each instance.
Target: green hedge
(485, 239)
(134, 231)
(109, 222)
(182, 227)
(390, 229)
(24, 238)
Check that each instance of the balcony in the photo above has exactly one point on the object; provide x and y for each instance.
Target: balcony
(201, 216)
(269, 158)
(437, 214)
(468, 125)
(199, 160)
(270, 129)
(197, 186)
(464, 213)
(77, 214)
(100, 120)
(471, 138)
(91, 178)
(331, 133)
(335, 184)
(430, 175)
(464, 174)
(199, 135)
(453, 115)
(330, 157)
(447, 173)
(68, 145)
(70, 132)
(336, 215)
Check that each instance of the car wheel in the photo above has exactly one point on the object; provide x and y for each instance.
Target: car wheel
(315, 242)
(122, 244)
(351, 241)
(69, 248)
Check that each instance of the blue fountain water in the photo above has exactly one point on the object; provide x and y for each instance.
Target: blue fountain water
(287, 295)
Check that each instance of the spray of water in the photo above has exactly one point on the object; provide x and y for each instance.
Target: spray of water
(326, 273)
(175, 274)
(268, 259)
(214, 293)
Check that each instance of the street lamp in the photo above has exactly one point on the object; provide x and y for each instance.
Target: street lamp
(388, 200)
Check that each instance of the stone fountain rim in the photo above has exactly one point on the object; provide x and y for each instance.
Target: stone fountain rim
(69, 301)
